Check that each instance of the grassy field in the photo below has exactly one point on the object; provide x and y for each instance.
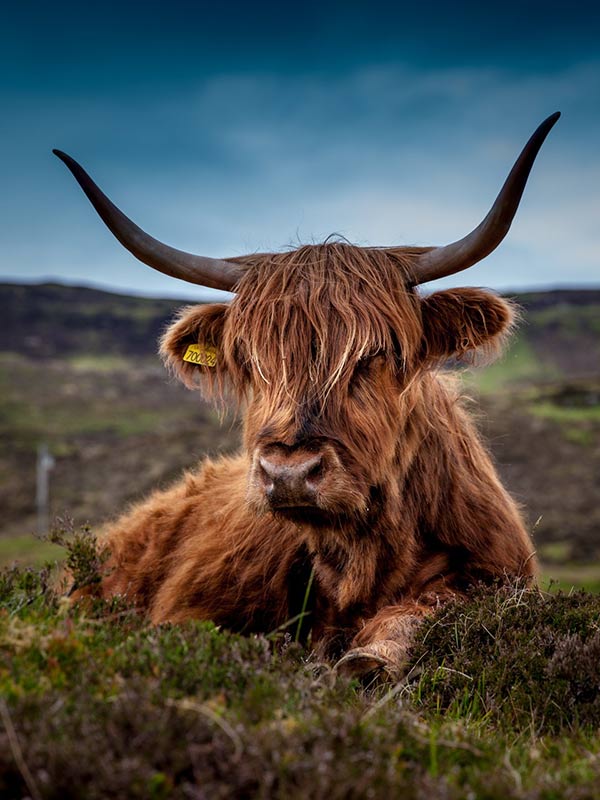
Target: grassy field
(117, 427)
(500, 700)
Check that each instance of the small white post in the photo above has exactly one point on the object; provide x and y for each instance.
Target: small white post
(45, 463)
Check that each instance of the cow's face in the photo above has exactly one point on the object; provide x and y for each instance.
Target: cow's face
(327, 346)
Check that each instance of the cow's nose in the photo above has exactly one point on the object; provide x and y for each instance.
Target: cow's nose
(291, 480)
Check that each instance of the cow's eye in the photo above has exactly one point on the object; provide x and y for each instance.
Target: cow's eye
(365, 365)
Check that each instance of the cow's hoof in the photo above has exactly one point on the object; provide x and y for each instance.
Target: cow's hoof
(372, 660)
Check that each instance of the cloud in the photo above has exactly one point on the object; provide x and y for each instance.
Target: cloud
(248, 162)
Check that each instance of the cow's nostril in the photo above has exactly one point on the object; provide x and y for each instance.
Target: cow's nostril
(314, 472)
(267, 472)
(290, 479)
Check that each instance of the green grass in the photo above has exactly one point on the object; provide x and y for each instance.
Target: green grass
(565, 414)
(563, 319)
(500, 701)
(555, 552)
(568, 577)
(574, 410)
(83, 396)
(28, 550)
(519, 365)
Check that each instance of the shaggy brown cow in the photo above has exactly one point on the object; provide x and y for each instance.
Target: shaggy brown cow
(359, 466)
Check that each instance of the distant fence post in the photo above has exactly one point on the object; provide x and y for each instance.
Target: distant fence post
(45, 463)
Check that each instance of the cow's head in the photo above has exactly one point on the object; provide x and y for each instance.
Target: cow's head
(326, 346)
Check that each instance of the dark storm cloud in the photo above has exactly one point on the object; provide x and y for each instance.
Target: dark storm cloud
(254, 126)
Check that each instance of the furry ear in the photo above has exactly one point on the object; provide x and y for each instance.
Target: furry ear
(191, 346)
(465, 323)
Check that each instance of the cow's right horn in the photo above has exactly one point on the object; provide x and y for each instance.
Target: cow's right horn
(211, 272)
(438, 262)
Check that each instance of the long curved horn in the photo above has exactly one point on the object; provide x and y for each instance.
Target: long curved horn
(204, 271)
(443, 261)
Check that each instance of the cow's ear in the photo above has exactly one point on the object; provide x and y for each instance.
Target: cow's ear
(465, 323)
(191, 345)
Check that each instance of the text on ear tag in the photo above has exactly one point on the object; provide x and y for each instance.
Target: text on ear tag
(205, 355)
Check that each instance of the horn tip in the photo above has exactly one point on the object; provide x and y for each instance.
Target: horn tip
(553, 118)
(66, 159)
(544, 129)
(60, 154)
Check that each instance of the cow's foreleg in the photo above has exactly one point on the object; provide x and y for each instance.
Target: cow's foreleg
(383, 644)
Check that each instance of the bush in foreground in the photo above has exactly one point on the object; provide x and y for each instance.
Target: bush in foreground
(518, 657)
(501, 701)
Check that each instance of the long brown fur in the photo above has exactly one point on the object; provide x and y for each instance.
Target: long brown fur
(330, 343)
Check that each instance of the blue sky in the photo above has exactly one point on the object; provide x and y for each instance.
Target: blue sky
(257, 126)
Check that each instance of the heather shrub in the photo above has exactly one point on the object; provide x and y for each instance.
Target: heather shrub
(500, 701)
(518, 657)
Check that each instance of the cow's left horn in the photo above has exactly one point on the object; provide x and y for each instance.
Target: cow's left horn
(204, 271)
(442, 261)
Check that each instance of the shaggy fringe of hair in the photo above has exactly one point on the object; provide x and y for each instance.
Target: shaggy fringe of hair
(302, 305)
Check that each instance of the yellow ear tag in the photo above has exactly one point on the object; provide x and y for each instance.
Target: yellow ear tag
(205, 355)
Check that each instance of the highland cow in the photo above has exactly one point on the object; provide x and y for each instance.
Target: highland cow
(361, 476)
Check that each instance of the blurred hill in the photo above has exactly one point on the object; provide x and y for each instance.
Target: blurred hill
(79, 371)
(49, 320)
